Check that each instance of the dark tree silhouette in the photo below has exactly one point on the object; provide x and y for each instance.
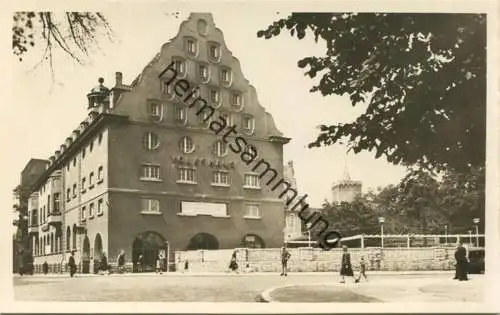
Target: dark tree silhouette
(423, 77)
(75, 33)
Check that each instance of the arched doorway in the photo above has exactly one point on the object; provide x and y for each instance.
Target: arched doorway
(97, 252)
(149, 245)
(252, 241)
(86, 255)
(203, 241)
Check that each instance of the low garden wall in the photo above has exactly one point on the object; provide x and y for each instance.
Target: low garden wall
(318, 260)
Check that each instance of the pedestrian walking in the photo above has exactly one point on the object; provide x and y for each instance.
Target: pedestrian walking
(346, 268)
(362, 270)
(121, 261)
(285, 256)
(159, 259)
(103, 265)
(45, 268)
(72, 264)
(233, 265)
(140, 262)
(186, 266)
(461, 263)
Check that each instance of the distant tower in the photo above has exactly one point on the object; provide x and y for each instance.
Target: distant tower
(293, 224)
(346, 190)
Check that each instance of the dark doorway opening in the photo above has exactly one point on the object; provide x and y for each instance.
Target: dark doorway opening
(149, 245)
(252, 241)
(203, 241)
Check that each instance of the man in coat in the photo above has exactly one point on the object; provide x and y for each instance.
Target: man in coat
(461, 263)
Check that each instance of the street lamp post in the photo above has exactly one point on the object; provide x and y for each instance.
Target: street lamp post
(446, 234)
(470, 238)
(476, 224)
(381, 220)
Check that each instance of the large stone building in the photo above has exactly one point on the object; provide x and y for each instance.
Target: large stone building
(144, 172)
(22, 250)
(346, 189)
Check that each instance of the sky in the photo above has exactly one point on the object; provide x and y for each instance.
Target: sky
(46, 110)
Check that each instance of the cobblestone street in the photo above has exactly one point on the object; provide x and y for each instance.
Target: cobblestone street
(303, 287)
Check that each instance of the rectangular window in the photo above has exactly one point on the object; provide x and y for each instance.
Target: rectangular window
(100, 174)
(187, 175)
(248, 123)
(252, 211)
(91, 180)
(225, 75)
(48, 203)
(214, 96)
(180, 113)
(155, 110)
(150, 205)
(203, 72)
(236, 99)
(83, 185)
(100, 205)
(168, 88)
(84, 213)
(56, 202)
(91, 210)
(252, 181)
(150, 172)
(191, 46)
(214, 52)
(68, 194)
(220, 178)
(74, 190)
(83, 152)
(179, 66)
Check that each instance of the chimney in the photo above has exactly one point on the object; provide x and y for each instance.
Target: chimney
(118, 78)
(57, 154)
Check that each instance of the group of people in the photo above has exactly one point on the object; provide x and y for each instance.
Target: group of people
(101, 266)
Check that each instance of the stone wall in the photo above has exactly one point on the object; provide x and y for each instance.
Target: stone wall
(317, 260)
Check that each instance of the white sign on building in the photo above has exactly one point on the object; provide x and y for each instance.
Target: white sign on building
(204, 208)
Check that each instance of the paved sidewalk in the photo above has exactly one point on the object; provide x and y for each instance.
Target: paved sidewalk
(191, 274)
(422, 289)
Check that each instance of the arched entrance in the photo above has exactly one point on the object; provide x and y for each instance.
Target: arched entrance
(203, 241)
(149, 245)
(97, 252)
(252, 241)
(86, 255)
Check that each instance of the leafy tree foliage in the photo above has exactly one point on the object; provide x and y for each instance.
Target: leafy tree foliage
(423, 77)
(420, 203)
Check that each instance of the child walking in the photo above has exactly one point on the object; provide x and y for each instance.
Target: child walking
(362, 270)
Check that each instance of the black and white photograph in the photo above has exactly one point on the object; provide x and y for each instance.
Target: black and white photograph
(264, 153)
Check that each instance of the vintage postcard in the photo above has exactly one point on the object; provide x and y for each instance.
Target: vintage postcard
(251, 156)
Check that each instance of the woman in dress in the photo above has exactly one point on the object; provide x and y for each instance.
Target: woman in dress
(346, 268)
(233, 265)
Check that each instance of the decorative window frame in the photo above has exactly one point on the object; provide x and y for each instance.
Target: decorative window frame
(218, 49)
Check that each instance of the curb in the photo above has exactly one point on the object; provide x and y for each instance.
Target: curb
(266, 295)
